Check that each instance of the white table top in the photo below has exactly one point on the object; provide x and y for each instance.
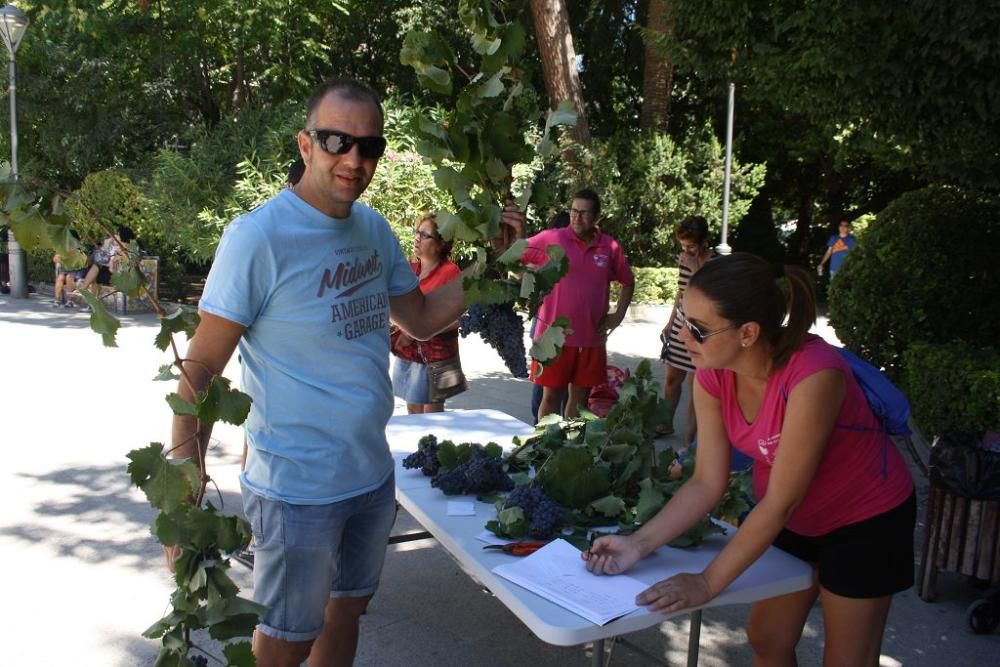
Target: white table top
(775, 573)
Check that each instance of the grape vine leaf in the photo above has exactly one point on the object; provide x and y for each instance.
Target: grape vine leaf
(166, 372)
(183, 320)
(179, 406)
(167, 483)
(610, 506)
(222, 403)
(239, 654)
(651, 500)
(571, 478)
(546, 347)
(101, 321)
(127, 281)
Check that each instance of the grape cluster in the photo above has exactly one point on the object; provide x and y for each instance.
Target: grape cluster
(425, 457)
(544, 514)
(480, 473)
(501, 327)
(198, 660)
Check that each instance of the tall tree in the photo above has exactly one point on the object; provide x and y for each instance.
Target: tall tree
(555, 46)
(658, 70)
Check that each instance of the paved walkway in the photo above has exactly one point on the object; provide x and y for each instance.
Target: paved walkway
(83, 578)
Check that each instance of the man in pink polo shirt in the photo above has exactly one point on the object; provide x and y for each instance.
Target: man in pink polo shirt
(595, 260)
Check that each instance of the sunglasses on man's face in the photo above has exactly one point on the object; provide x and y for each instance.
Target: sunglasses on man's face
(699, 336)
(340, 143)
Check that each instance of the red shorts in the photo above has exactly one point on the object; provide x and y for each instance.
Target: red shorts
(578, 366)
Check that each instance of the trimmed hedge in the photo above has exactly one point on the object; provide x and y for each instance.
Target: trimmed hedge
(925, 271)
(953, 387)
(652, 285)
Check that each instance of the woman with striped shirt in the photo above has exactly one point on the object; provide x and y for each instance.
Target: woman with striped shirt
(692, 234)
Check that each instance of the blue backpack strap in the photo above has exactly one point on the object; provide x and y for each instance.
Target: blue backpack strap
(858, 427)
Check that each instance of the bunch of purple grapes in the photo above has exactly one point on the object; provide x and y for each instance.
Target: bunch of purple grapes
(544, 514)
(425, 457)
(480, 473)
(501, 327)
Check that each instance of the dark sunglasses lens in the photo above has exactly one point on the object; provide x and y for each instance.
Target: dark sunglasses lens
(371, 147)
(695, 333)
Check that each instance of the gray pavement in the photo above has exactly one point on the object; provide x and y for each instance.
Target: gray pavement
(83, 577)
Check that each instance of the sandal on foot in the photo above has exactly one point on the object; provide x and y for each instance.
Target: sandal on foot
(663, 430)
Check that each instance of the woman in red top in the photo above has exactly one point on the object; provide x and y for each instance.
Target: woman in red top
(832, 489)
(409, 370)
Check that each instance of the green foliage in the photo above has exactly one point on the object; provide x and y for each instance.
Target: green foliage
(652, 285)
(649, 183)
(205, 597)
(110, 195)
(923, 273)
(874, 74)
(489, 127)
(227, 171)
(953, 387)
(605, 470)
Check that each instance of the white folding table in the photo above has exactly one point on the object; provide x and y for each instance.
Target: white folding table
(774, 573)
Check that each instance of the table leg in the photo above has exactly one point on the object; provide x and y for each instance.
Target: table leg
(597, 659)
(694, 638)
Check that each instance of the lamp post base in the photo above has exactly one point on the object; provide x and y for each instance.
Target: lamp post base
(18, 266)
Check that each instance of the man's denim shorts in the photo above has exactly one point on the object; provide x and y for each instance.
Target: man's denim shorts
(306, 554)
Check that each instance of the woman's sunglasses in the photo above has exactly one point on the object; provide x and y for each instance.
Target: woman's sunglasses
(339, 143)
(699, 336)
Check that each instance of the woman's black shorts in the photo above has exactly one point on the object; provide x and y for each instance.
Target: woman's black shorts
(867, 559)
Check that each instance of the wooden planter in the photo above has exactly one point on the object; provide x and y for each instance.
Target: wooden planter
(960, 535)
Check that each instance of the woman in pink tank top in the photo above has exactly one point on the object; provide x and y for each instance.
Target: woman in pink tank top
(832, 490)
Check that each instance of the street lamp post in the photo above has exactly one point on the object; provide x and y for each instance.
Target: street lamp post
(13, 23)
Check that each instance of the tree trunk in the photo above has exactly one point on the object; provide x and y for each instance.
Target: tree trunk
(555, 46)
(658, 74)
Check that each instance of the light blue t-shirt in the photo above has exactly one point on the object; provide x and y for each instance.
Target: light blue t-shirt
(313, 293)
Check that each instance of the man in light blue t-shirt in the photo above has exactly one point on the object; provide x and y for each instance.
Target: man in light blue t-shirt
(305, 285)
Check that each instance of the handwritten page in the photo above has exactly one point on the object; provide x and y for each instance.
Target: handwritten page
(557, 573)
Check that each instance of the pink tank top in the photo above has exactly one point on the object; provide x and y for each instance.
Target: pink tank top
(850, 484)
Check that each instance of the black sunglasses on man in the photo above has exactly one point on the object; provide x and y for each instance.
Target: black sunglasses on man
(335, 142)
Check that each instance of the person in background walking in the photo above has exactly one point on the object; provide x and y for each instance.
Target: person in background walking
(409, 369)
(837, 247)
(692, 234)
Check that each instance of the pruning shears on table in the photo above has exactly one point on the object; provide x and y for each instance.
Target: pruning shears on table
(517, 548)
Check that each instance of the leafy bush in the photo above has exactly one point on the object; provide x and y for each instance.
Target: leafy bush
(953, 387)
(652, 285)
(649, 183)
(925, 272)
(112, 199)
(193, 193)
(401, 190)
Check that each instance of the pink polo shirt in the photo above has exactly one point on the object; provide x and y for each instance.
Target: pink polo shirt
(582, 294)
(849, 485)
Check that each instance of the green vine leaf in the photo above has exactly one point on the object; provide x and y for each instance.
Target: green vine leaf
(101, 321)
(651, 500)
(239, 654)
(222, 403)
(179, 406)
(571, 478)
(127, 281)
(546, 347)
(167, 483)
(166, 373)
(610, 506)
(183, 320)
